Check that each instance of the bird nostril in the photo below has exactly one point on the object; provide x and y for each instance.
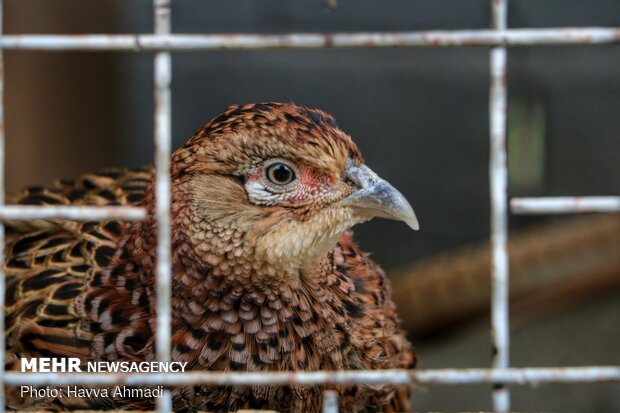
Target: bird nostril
(350, 182)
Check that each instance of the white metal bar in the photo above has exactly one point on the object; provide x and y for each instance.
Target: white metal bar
(162, 184)
(78, 213)
(2, 233)
(330, 402)
(189, 42)
(163, 132)
(565, 205)
(512, 376)
(498, 174)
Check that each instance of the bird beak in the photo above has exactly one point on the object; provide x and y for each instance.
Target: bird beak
(377, 197)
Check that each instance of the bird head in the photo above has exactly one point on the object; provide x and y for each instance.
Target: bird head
(274, 186)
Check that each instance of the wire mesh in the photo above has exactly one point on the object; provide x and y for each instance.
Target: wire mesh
(498, 37)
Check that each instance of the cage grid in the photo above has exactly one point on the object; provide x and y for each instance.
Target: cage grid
(163, 42)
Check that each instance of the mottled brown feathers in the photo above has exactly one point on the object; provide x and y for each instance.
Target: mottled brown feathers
(245, 134)
(256, 287)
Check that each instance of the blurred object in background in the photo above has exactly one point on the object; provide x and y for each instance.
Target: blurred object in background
(64, 110)
(552, 266)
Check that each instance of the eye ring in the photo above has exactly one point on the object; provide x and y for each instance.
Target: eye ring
(280, 174)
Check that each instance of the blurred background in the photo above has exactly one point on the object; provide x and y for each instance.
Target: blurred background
(420, 117)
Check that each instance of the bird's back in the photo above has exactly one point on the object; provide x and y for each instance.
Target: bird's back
(50, 262)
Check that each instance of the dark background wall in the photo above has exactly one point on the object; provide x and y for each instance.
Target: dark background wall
(419, 115)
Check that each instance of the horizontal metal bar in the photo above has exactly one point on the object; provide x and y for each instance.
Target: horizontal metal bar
(519, 376)
(565, 205)
(124, 42)
(78, 213)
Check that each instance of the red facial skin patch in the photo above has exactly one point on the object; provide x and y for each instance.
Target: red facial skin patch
(309, 183)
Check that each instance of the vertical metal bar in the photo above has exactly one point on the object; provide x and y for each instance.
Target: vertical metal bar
(2, 238)
(330, 402)
(498, 174)
(163, 75)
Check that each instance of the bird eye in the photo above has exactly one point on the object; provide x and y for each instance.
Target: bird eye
(280, 173)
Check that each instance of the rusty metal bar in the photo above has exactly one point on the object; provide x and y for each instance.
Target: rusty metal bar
(189, 42)
(77, 213)
(163, 132)
(565, 205)
(2, 233)
(498, 175)
(511, 376)
(330, 402)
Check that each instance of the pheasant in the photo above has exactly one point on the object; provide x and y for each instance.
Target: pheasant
(266, 276)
